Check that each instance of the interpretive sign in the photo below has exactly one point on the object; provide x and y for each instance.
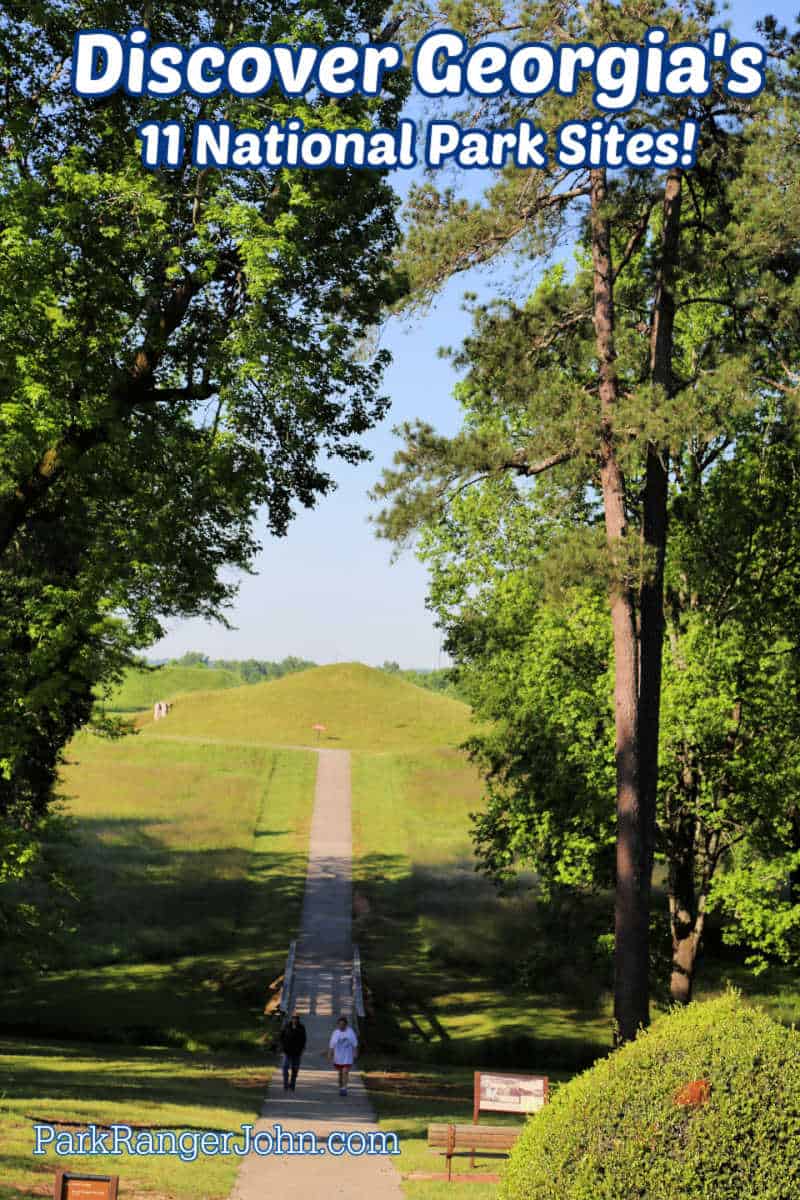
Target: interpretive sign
(508, 1093)
(70, 1186)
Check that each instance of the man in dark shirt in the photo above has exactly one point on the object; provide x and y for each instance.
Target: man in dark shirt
(293, 1043)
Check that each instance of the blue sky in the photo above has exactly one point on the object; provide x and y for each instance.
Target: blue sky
(328, 591)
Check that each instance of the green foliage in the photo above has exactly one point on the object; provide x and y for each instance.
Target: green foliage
(37, 897)
(179, 352)
(549, 691)
(254, 670)
(142, 686)
(443, 679)
(192, 658)
(536, 663)
(759, 898)
(526, 537)
(620, 1131)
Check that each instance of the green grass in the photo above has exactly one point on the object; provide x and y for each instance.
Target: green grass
(191, 863)
(440, 947)
(777, 991)
(190, 857)
(463, 976)
(81, 1084)
(361, 708)
(140, 690)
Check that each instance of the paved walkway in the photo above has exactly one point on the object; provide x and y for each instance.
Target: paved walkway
(323, 985)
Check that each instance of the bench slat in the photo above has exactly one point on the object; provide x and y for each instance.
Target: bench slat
(473, 1137)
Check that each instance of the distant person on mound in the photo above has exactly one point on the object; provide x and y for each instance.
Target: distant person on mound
(293, 1043)
(342, 1051)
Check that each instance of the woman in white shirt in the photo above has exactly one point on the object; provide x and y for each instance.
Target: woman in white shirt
(343, 1051)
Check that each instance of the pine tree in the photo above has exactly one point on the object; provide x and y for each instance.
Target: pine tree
(602, 387)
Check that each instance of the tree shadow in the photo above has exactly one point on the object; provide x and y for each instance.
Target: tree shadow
(176, 948)
(441, 953)
(171, 946)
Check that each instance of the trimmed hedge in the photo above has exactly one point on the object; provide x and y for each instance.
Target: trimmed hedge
(703, 1106)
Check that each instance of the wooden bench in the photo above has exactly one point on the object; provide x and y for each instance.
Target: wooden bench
(471, 1139)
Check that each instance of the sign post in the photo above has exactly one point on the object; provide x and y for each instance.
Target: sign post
(507, 1093)
(69, 1186)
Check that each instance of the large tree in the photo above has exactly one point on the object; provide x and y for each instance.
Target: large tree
(178, 349)
(589, 390)
(535, 660)
(180, 353)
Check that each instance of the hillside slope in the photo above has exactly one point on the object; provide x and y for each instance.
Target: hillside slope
(361, 708)
(141, 689)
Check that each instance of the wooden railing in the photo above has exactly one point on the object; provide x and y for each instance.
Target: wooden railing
(288, 982)
(359, 1011)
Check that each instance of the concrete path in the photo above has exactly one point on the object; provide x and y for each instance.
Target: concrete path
(323, 990)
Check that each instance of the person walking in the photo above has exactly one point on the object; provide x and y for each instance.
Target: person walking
(293, 1043)
(343, 1051)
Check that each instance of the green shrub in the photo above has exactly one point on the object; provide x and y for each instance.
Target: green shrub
(620, 1131)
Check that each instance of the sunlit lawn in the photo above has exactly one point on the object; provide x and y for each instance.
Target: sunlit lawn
(446, 957)
(80, 1084)
(141, 689)
(439, 946)
(191, 848)
(191, 863)
(360, 708)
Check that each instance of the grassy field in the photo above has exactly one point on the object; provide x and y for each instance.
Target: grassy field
(190, 856)
(361, 708)
(443, 951)
(140, 690)
(81, 1084)
(191, 864)
(190, 860)
(462, 979)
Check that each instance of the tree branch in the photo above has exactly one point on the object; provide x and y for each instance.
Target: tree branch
(519, 462)
(133, 390)
(634, 241)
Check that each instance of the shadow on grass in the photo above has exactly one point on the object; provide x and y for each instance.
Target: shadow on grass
(108, 1079)
(461, 976)
(178, 947)
(173, 947)
(17, 1164)
(143, 901)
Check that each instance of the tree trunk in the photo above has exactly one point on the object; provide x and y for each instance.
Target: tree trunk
(684, 918)
(684, 953)
(631, 914)
(654, 524)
